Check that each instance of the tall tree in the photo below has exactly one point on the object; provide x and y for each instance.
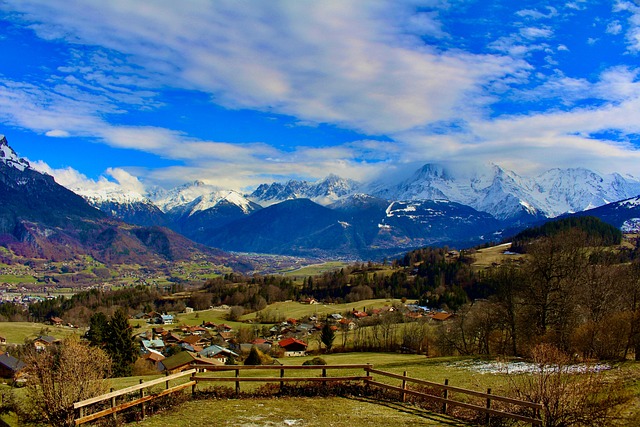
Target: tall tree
(98, 326)
(120, 345)
(327, 335)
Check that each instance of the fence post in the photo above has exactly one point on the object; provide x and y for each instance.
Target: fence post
(488, 417)
(144, 406)
(113, 405)
(404, 387)
(166, 382)
(237, 382)
(193, 386)
(281, 382)
(445, 396)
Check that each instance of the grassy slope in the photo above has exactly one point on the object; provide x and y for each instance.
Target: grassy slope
(17, 332)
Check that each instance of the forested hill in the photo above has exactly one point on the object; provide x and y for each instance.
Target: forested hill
(596, 230)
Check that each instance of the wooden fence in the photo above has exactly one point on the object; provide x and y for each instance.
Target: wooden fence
(141, 388)
(208, 374)
(445, 399)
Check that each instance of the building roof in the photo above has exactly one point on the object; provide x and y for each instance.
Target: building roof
(191, 339)
(11, 362)
(214, 350)
(288, 341)
(47, 339)
(441, 316)
(157, 343)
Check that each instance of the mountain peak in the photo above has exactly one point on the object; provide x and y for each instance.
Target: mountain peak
(9, 157)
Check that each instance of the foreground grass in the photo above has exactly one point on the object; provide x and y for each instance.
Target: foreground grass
(298, 412)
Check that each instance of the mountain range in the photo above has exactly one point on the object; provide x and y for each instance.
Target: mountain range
(42, 219)
(456, 205)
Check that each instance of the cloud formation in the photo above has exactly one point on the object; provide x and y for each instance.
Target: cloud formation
(400, 75)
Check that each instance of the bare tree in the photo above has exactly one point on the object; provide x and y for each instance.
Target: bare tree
(61, 375)
(568, 398)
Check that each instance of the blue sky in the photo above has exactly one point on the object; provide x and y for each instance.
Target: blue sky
(237, 93)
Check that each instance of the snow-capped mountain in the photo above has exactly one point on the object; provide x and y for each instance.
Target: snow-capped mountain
(323, 192)
(509, 196)
(198, 196)
(196, 207)
(9, 157)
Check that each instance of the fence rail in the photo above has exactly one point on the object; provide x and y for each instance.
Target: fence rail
(84, 404)
(202, 374)
(445, 400)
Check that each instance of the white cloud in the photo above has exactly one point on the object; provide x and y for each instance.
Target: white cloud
(614, 28)
(533, 33)
(57, 133)
(316, 61)
(535, 14)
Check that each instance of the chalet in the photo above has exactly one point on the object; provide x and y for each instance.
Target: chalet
(441, 317)
(166, 319)
(309, 301)
(218, 352)
(359, 314)
(171, 338)
(224, 328)
(335, 316)
(347, 324)
(43, 341)
(193, 340)
(293, 347)
(227, 336)
(153, 359)
(183, 361)
(56, 321)
(10, 367)
(156, 344)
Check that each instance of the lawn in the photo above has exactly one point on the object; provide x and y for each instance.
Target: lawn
(315, 269)
(17, 332)
(297, 412)
(297, 310)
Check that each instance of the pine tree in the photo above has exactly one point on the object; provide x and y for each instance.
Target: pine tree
(327, 335)
(98, 326)
(120, 345)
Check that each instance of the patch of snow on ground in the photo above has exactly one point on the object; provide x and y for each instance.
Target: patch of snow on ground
(522, 367)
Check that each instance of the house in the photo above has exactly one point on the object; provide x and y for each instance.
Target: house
(166, 319)
(194, 340)
(293, 347)
(43, 341)
(153, 359)
(10, 367)
(442, 316)
(218, 352)
(56, 321)
(347, 324)
(3, 340)
(185, 360)
(310, 301)
(156, 344)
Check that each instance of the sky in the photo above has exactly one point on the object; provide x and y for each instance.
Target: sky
(237, 93)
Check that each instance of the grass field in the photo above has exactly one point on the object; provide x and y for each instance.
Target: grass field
(13, 279)
(488, 257)
(17, 332)
(297, 412)
(314, 270)
(297, 310)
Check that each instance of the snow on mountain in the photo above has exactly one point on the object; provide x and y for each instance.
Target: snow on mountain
(9, 157)
(323, 192)
(507, 195)
(196, 197)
